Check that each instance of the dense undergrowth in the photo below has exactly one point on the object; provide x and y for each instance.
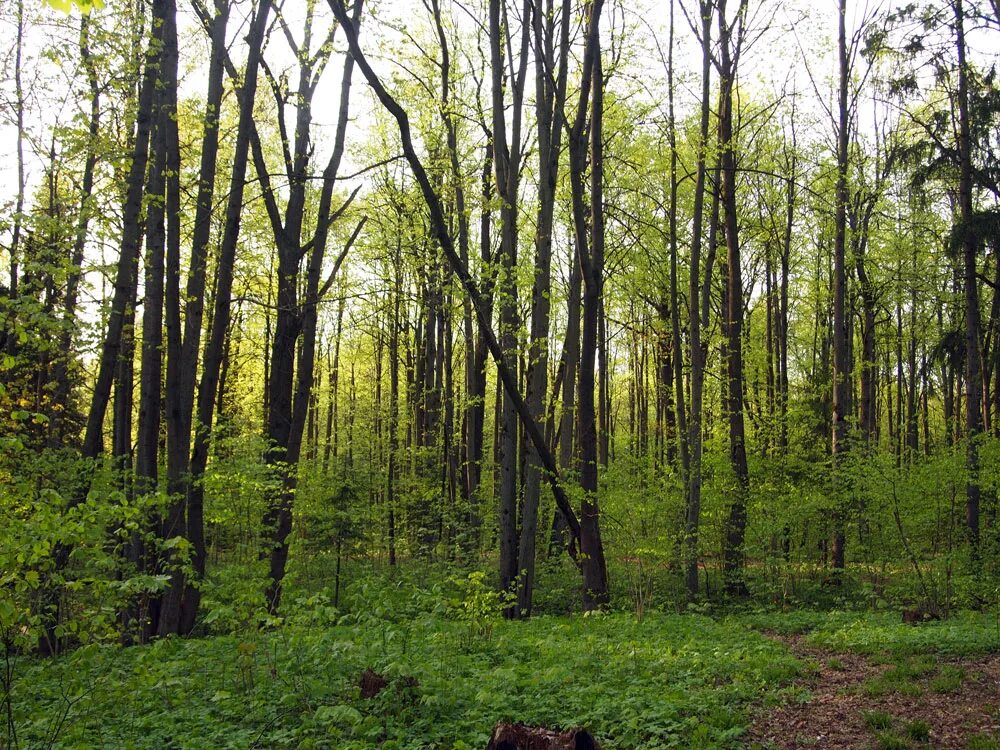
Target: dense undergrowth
(453, 668)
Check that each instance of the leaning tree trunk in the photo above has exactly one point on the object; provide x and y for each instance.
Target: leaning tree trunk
(443, 236)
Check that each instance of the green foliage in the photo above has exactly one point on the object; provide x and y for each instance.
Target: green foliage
(964, 634)
(453, 667)
(668, 681)
(890, 683)
(234, 598)
(85, 6)
(96, 581)
(480, 605)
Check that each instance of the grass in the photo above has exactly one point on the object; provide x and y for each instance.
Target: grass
(889, 683)
(914, 667)
(983, 742)
(877, 720)
(876, 634)
(918, 730)
(668, 681)
(948, 680)
(890, 741)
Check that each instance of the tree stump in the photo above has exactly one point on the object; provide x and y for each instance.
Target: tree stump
(520, 737)
(371, 683)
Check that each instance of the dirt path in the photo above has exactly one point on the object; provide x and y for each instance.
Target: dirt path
(913, 702)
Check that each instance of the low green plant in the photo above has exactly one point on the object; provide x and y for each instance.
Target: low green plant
(479, 605)
(669, 681)
(890, 741)
(914, 667)
(877, 720)
(948, 680)
(918, 730)
(890, 683)
(983, 742)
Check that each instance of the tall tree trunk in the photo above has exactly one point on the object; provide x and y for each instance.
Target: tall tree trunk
(604, 422)
(507, 162)
(785, 261)
(116, 342)
(567, 421)
(333, 411)
(912, 428)
(973, 361)
(841, 361)
(215, 344)
(291, 379)
(126, 272)
(735, 526)
(151, 372)
(590, 248)
(442, 235)
(393, 426)
(61, 398)
(550, 100)
(8, 334)
(695, 293)
(178, 423)
(477, 353)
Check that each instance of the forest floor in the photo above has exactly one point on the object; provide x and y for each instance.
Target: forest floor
(863, 702)
(409, 666)
(870, 682)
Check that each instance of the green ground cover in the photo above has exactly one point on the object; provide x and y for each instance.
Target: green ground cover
(453, 669)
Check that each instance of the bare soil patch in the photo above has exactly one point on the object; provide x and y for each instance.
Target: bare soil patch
(857, 703)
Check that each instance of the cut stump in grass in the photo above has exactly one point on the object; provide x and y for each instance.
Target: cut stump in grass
(520, 737)
(371, 683)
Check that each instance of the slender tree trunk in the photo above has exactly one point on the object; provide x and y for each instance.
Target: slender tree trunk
(15, 243)
(507, 160)
(693, 510)
(116, 343)
(475, 416)
(590, 247)
(841, 361)
(442, 235)
(61, 398)
(393, 427)
(550, 99)
(970, 242)
(215, 344)
(178, 421)
(126, 273)
(735, 527)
